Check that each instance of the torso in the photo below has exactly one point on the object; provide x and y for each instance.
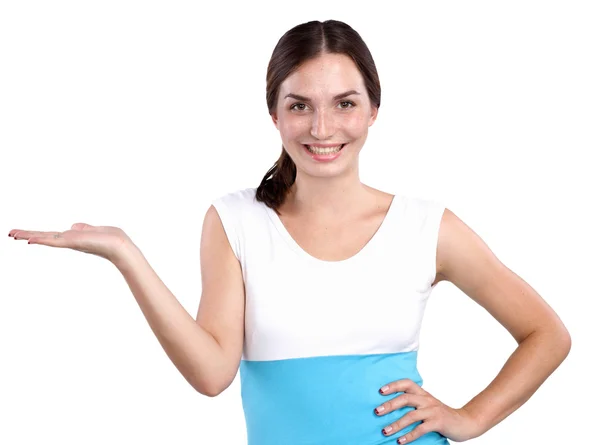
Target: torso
(324, 323)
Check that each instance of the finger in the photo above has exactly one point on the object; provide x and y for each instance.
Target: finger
(404, 385)
(24, 233)
(53, 239)
(419, 415)
(406, 399)
(413, 435)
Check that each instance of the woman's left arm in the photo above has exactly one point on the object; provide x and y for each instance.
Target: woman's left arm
(543, 341)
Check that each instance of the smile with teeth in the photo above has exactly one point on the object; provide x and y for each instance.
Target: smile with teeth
(324, 150)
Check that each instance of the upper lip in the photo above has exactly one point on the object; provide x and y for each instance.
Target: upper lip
(325, 145)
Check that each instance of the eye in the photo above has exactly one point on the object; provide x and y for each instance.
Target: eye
(348, 104)
(296, 104)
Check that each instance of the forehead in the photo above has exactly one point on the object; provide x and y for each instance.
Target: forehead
(328, 74)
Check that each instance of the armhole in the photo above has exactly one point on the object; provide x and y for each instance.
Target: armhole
(228, 222)
(433, 225)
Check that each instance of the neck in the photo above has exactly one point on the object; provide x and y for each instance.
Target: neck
(327, 198)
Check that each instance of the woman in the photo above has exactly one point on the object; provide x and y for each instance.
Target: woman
(314, 284)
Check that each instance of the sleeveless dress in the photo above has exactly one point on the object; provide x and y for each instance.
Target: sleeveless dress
(321, 337)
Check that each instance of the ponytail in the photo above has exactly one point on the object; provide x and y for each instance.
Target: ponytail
(277, 182)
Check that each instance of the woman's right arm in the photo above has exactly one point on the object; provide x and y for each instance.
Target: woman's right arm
(207, 351)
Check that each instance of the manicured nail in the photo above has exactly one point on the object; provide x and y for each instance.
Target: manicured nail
(384, 389)
(386, 430)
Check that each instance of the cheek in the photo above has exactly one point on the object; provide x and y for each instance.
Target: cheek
(291, 128)
(356, 125)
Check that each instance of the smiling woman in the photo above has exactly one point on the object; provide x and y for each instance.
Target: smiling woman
(321, 255)
(328, 264)
(314, 284)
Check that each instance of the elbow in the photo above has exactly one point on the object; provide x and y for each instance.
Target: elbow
(207, 391)
(210, 393)
(564, 342)
(214, 391)
(203, 386)
(559, 339)
(554, 337)
(210, 389)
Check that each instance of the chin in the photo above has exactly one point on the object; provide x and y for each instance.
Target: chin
(323, 171)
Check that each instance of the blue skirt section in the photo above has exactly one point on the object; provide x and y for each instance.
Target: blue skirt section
(326, 400)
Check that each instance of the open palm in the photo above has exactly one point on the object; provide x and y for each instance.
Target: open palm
(103, 241)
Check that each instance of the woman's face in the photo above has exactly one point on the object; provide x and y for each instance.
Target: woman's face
(321, 106)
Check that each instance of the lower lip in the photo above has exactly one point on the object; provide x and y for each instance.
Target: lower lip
(324, 158)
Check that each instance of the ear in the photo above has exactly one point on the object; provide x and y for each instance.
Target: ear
(374, 111)
(275, 120)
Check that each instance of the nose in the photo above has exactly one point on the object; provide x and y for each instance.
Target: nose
(323, 125)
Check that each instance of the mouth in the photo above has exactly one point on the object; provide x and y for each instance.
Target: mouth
(324, 151)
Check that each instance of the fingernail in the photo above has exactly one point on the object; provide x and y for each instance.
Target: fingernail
(379, 409)
(386, 430)
(384, 389)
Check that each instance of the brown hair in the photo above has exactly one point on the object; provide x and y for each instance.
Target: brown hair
(299, 44)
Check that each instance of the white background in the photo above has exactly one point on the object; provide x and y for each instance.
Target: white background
(138, 114)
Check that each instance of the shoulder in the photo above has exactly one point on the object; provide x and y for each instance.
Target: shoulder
(240, 209)
(237, 197)
(424, 213)
(238, 202)
(233, 211)
(461, 253)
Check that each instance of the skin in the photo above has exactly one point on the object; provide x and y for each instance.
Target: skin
(332, 215)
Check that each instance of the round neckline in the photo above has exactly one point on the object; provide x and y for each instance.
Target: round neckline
(276, 220)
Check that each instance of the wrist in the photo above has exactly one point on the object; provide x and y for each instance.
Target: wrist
(477, 423)
(125, 256)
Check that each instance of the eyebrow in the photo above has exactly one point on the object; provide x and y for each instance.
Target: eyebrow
(306, 99)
